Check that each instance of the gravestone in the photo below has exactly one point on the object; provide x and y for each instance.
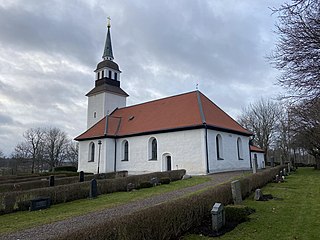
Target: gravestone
(81, 176)
(258, 196)
(186, 177)
(289, 168)
(255, 165)
(218, 217)
(130, 187)
(51, 181)
(155, 181)
(39, 203)
(236, 192)
(93, 189)
(285, 172)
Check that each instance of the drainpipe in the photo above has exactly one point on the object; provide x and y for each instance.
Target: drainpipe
(206, 139)
(115, 155)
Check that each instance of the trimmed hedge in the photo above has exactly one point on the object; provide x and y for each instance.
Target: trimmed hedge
(16, 201)
(65, 168)
(167, 220)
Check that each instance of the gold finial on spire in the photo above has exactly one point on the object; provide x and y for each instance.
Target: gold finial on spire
(109, 19)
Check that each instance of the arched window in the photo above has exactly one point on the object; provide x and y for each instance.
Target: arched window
(219, 147)
(125, 150)
(94, 114)
(153, 149)
(91, 152)
(239, 148)
(115, 76)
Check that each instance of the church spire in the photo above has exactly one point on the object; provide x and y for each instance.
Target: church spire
(107, 54)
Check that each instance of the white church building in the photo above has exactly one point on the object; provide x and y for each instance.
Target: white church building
(186, 131)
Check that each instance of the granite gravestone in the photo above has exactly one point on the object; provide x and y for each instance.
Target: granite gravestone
(236, 192)
(81, 176)
(51, 181)
(255, 165)
(93, 189)
(258, 196)
(155, 181)
(39, 203)
(218, 217)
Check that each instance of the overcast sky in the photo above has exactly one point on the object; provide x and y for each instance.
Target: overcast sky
(49, 50)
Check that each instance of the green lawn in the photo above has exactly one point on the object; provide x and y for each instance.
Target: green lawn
(295, 215)
(21, 220)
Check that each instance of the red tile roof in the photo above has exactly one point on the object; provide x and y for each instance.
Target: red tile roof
(189, 110)
(256, 149)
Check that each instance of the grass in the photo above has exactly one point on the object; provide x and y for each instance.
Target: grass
(295, 215)
(22, 220)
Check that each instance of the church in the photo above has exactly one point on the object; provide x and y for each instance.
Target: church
(185, 131)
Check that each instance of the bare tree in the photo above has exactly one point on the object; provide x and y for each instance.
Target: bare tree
(261, 118)
(55, 146)
(71, 153)
(297, 52)
(32, 146)
(306, 126)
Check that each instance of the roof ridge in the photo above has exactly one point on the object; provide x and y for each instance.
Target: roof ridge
(156, 100)
(224, 112)
(203, 118)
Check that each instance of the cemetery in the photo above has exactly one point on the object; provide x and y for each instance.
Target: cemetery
(213, 211)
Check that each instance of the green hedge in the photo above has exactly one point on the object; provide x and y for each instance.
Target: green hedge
(167, 220)
(65, 168)
(16, 200)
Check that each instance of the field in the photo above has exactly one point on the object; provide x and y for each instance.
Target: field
(293, 214)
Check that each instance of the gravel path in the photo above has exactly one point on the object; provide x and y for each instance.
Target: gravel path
(49, 231)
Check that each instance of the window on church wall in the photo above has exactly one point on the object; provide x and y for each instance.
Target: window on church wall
(109, 74)
(239, 148)
(91, 152)
(219, 147)
(102, 74)
(98, 75)
(153, 149)
(125, 151)
(94, 114)
(115, 76)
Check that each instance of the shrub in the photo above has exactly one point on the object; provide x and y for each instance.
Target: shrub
(165, 180)
(145, 185)
(65, 168)
(238, 213)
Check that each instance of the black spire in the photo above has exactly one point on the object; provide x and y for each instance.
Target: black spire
(107, 54)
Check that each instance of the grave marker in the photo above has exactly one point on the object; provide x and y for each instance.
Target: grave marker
(81, 176)
(93, 189)
(39, 203)
(218, 217)
(236, 192)
(255, 164)
(51, 181)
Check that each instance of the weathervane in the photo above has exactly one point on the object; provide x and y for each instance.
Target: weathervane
(109, 19)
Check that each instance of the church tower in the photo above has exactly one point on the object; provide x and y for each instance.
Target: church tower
(107, 95)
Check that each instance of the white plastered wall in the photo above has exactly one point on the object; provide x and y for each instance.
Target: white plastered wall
(102, 104)
(186, 149)
(260, 159)
(230, 157)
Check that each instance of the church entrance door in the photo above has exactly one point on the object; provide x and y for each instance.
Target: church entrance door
(168, 158)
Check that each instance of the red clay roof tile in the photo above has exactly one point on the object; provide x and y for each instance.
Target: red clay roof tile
(256, 149)
(171, 113)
